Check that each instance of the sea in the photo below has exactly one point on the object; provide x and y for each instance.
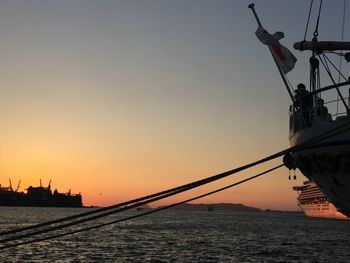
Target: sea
(185, 236)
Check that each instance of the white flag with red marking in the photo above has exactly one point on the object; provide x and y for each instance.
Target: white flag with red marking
(284, 58)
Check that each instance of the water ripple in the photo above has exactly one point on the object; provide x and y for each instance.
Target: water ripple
(186, 236)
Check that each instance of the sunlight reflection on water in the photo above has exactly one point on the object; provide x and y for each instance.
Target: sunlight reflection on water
(186, 236)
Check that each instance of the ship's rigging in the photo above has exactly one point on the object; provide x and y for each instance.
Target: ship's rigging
(328, 165)
(320, 53)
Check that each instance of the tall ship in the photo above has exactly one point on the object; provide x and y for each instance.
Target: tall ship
(319, 138)
(40, 196)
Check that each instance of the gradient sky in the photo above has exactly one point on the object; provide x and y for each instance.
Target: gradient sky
(118, 99)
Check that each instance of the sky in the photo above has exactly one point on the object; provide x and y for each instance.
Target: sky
(119, 99)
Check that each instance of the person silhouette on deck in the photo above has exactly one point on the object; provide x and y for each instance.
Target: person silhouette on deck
(322, 111)
(303, 103)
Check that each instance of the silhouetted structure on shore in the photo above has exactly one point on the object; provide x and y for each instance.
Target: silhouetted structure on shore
(38, 196)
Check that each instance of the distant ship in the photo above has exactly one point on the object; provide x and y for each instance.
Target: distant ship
(314, 203)
(38, 196)
(210, 208)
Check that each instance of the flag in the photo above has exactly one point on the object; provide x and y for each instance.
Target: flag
(283, 57)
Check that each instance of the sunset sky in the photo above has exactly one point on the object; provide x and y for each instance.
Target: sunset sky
(118, 99)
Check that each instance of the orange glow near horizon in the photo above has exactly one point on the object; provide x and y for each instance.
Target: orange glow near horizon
(107, 179)
(119, 99)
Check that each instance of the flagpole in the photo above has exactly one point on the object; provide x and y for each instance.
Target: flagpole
(283, 76)
(251, 6)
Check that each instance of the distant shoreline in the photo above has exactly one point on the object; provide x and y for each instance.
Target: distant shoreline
(214, 207)
(189, 207)
(211, 207)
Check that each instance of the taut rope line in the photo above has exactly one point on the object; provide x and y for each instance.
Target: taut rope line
(176, 190)
(139, 215)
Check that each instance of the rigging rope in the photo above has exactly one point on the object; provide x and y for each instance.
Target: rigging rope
(318, 20)
(329, 72)
(171, 191)
(308, 20)
(325, 64)
(139, 215)
(60, 220)
(341, 53)
(308, 144)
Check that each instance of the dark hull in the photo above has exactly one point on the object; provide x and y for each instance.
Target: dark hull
(42, 203)
(327, 163)
(52, 202)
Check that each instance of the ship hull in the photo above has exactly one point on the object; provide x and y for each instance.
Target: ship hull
(323, 210)
(315, 203)
(327, 163)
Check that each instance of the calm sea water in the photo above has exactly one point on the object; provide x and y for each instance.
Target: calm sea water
(186, 236)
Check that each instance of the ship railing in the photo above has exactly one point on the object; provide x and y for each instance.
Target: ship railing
(320, 112)
(297, 119)
(300, 120)
(334, 104)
